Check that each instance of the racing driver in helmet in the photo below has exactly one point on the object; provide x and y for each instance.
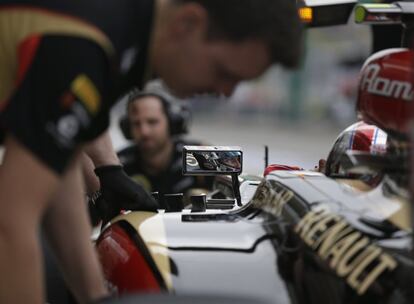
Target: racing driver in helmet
(357, 137)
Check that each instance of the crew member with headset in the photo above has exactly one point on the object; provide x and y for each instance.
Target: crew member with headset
(155, 122)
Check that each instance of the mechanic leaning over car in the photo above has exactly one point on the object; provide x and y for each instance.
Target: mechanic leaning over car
(155, 122)
(62, 65)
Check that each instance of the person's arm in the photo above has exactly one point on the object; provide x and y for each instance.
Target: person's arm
(103, 172)
(101, 151)
(97, 153)
(74, 250)
(90, 179)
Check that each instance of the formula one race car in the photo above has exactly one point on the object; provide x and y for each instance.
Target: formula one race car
(299, 237)
(295, 236)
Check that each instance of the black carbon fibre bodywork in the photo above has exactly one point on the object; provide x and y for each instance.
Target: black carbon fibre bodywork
(300, 237)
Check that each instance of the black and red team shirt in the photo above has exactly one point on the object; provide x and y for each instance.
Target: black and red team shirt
(62, 65)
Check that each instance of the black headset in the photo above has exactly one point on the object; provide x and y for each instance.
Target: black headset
(178, 114)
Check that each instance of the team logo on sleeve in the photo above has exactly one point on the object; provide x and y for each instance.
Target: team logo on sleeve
(79, 104)
(87, 93)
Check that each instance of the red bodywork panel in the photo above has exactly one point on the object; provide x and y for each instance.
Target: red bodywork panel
(276, 167)
(124, 265)
(385, 90)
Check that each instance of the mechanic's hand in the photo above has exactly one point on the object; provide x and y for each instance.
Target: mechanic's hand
(120, 192)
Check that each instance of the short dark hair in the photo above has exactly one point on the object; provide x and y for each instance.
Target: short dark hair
(275, 22)
(178, 115)
(137, 94)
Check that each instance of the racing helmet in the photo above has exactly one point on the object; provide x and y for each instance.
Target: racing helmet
(358, 137)
(230, 161)
(385, 91)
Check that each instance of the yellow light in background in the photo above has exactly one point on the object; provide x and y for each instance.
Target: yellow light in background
(306, 14)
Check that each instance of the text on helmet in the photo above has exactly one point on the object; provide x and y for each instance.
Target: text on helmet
(382, 86)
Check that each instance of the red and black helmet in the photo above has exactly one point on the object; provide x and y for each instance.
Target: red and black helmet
(358, 137)
(385, 90)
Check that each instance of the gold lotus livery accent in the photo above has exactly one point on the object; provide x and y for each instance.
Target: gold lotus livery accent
(350, 254)
(87, 93)
(271, 200)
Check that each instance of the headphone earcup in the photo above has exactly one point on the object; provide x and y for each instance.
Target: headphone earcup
(179, 116)
(125, 127)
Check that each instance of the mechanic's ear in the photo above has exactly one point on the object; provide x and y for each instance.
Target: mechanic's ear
(190, 18)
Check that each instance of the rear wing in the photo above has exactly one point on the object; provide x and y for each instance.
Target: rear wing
(389, 13)
(384, 13)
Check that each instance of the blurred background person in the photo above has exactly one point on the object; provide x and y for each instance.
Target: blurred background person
(156, 124)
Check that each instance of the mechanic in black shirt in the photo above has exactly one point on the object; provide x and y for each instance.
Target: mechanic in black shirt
(155, 122)
(62, 65)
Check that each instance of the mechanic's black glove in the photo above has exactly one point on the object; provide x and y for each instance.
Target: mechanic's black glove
(120, 192)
